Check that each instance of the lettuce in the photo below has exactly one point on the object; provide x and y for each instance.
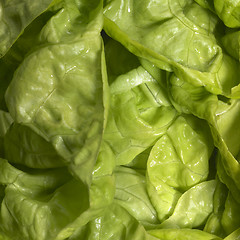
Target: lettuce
(119, 119)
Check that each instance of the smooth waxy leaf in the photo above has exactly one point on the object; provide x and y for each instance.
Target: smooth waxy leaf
(234, 236)
(231, 43)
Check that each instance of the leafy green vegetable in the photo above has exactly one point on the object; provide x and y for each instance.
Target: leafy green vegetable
(23, 146)
(131, 193)
(119, 119)
(5, 123)
(234, 235)
(193, 207)
(55, 66)
(188, 234)
(228, 11)
(214, 224)
(174, 39)
(223, 117)
(231, 217)
(178, 161)
(123, 226)
(136, 117)
(15, 17)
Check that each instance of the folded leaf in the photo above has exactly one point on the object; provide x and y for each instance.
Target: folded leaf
(115, 223)
(23, 146)
(131, 193)
(58, 88)
(15, 17)
(137, 117)
(231, 215)
(222, 115)
(193, 207)
(178, 161)
(43, 197)
(213, 224)
(173, 38)
(229, 12)
(182, 234)
(234, 236)
(5, 122)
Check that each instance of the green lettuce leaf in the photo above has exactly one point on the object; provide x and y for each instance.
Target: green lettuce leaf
(180, 234)
(101, 193)
(230, 42)
(214, 223)
(122, 64)
(43, 198)
(21, 47)
(177, 162)
(69, 79)
(174, 39)
(115, 223)
(119, 119)
(23, 146)
(231, 217)
(5, 122)
(131, 193)
(193, 207)
(229, 12)
(16, 15)
(137, 117)
(206, 4)
(222, 115)
(234, 236)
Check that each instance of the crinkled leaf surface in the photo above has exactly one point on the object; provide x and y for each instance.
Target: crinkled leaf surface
(23, 146)
(193, 207)
(115, 223)
(180, 234)
(173, 165)
(136, 116)
(63, 98)
(172, 37)
(22, 46)
(43, 197)
(131, 193)
(229, 12)
(147, 169)
(15, 16)
(222, 115)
